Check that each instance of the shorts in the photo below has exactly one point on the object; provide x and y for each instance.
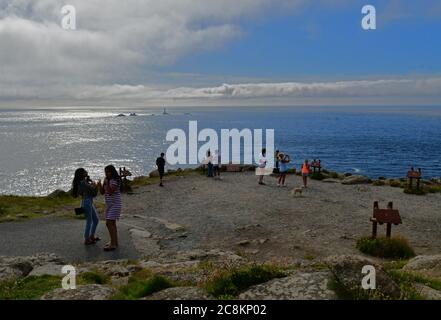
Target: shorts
(305, 174)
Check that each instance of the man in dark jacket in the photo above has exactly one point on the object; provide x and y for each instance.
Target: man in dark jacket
(160, 163)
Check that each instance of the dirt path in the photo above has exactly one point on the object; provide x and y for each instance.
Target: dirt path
(267, 222)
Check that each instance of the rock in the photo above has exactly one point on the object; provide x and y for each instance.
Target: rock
(426, 265)
(87, 292)
(356, 180)
(181, 293)
(47, 269)
(140, 233)
(58, 194)
(213, 255)
(331, 180)
(243, 243)
(426, 292)
(16, 267)
(154, 174)
(300, 286)
(347, 271)
(111, 268)
(169, 225)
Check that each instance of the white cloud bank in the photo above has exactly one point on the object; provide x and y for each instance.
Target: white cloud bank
(118, 43)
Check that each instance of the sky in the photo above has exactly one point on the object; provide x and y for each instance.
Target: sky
(215, 53)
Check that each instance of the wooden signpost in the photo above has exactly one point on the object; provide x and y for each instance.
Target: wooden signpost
(316, 165)
(414, 174)
(388, 216)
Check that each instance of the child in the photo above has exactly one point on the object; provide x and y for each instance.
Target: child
(209, 161)
(283, 168)
(305, 173)
(111, 189)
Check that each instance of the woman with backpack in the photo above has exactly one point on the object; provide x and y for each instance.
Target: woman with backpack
(111, 189)
(88, 190)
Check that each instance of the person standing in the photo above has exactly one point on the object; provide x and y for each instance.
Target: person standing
(111, 189)
(209, 161)
(305, 173)
(216, 164)
(262, 166)
(83, 186)
(283, 169)
(160, 163)
(276, 159)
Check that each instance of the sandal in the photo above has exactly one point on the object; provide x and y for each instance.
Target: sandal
(89, 242)
(109, 248)
(96, 239)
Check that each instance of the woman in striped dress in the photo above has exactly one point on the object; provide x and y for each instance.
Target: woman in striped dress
(111, 189)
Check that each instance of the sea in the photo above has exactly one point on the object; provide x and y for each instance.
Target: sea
(40, 148)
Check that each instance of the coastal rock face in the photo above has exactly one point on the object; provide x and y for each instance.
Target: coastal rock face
(351, 180)
(209, 255)
(87, 292)
(426, 265)
(181, 293)
(347, 271)
(300, 286)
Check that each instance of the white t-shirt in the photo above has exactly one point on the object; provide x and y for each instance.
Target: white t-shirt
(262, 161)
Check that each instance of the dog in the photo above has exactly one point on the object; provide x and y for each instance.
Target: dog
(297, 191)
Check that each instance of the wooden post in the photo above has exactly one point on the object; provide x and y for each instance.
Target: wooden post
(390, 206)
(374, 222)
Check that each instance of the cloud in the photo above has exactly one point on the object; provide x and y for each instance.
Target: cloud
(118, 45)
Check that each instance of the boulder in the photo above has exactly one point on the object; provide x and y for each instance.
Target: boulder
(17, 267)
(426, 265)
(300, 286)
(154, 174)
(87, 292)
(331, 180)
(426, 292)
(181, 293)
(347, 271)
(47, 269)
(356, 180)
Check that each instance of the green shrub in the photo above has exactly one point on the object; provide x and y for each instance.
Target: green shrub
(334, 175)
(137, 288)
(232, 282)
(418, 192)
(378, 183)
(395, 183)
(383, 247)
(317, 176)
(433, 189)
(28, 288)
(94, 277)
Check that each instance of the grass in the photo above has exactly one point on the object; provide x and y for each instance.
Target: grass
(406, 281)
(317, 176)
(382, 247)
(29, 288)
(30, 207)
(142, 284)
(229, 283)
(418, 192)
(356, 293)
(93, 277)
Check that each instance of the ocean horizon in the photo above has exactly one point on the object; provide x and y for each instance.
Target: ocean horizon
(42, 147)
